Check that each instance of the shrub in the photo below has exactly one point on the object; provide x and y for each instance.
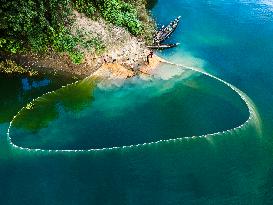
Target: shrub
(10, 67)
(121, 13)
(94, 43)
(29, 24)
(85, 6)
(76, 57)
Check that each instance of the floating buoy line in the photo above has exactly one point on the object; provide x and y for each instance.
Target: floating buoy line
(253, 117)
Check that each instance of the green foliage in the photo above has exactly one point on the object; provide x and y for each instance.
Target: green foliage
(10, 45)
(63, 41)
(10, 67)
(85, 6)
(30, 24)
(121, 13)
(118, 12)
(76, 57)
(94, 43)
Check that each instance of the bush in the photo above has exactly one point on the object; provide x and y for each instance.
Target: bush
(10, 45)
(76, 57)
(85, 6)
(121, 13)
(94, 43)
(29, 24)
(10, 67)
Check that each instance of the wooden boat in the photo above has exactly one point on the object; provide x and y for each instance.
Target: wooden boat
(165, 32)
(163, 46)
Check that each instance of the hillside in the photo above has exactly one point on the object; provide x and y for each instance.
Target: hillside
(75, 35)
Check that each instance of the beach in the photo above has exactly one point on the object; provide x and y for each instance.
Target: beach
(121, 71)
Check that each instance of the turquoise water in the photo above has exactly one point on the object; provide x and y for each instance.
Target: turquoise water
(230, 39)
(136, 112)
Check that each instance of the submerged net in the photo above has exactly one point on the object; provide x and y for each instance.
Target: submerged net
(86, 116)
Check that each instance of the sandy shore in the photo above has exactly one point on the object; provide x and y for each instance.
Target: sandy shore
(154, 62)
(120, 71)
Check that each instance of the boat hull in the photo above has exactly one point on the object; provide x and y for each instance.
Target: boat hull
(163, 46)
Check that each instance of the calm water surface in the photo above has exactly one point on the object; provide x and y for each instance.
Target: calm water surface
(231, 39)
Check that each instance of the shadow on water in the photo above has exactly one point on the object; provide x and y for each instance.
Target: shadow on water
(18, 90)
(151, 4)
(72, 98)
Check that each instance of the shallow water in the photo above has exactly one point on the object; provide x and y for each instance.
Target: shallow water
(230, 39)
(136, 112)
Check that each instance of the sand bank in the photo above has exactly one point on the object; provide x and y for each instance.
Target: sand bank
(122, 71)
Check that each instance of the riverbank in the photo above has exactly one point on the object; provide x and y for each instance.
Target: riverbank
(120, 50)
(86, 36)
(121, 71)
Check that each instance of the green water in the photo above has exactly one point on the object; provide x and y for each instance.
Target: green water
(136, 112)
(138, 117)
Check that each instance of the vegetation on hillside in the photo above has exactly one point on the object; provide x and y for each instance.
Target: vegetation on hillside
(43, 25)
